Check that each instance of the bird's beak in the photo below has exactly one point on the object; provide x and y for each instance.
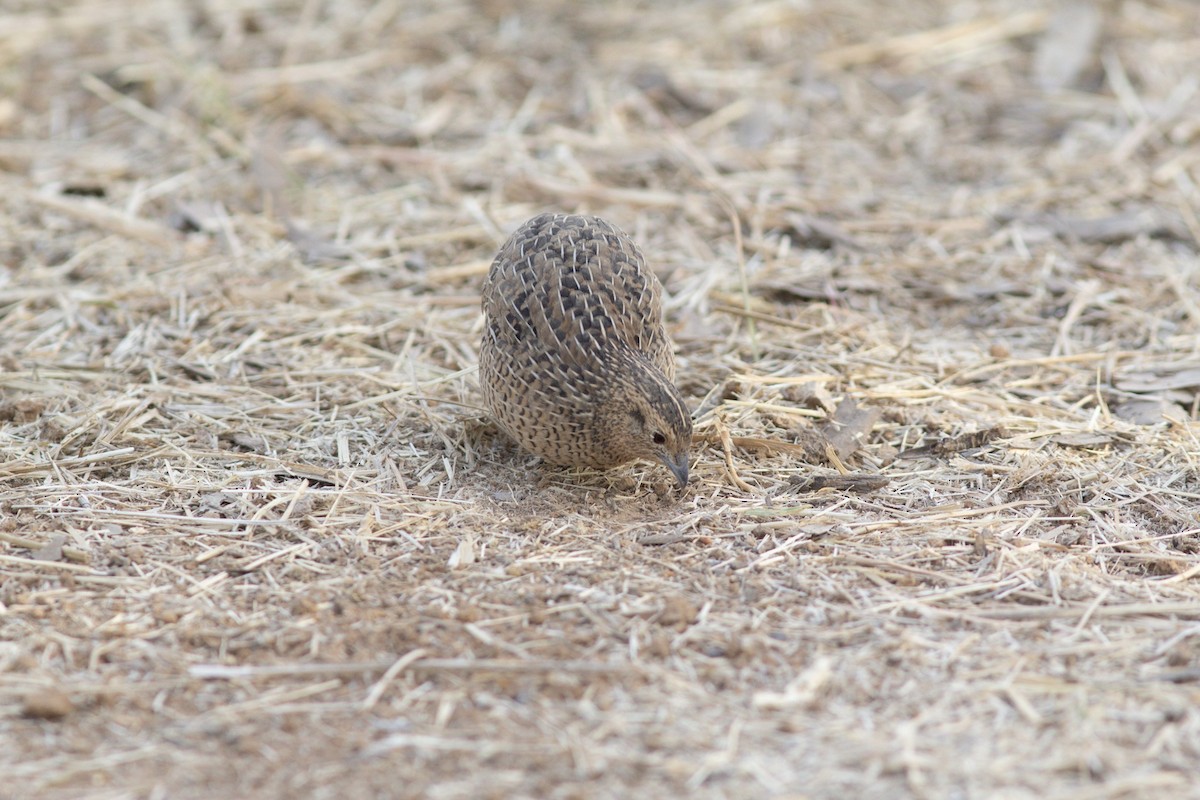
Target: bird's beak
(678, 464)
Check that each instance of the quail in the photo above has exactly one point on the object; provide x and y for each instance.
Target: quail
(575, 364)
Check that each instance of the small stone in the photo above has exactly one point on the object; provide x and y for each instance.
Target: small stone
(47, 703)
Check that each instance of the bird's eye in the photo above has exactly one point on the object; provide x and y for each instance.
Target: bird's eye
(659, 438)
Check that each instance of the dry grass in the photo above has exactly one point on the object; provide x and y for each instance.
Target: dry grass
(258, 540)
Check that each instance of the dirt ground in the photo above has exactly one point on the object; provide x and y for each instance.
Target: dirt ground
(933, 281)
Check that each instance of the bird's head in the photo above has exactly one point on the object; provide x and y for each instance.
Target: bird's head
(643, 416)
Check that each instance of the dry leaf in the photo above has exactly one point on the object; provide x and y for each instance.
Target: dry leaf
(1068, 46)
(463, 555)
(1114, 228)
(52, 550)
(1159, 380)
(849, 483)
(1149, 411)
(846, 430)
(957, 444)
(1084, 439)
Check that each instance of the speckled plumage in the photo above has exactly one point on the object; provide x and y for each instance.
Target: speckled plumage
(575, 363)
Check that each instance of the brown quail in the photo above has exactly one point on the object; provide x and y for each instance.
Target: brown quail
(575, 363)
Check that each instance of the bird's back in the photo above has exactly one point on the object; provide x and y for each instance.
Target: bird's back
(574, 287)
